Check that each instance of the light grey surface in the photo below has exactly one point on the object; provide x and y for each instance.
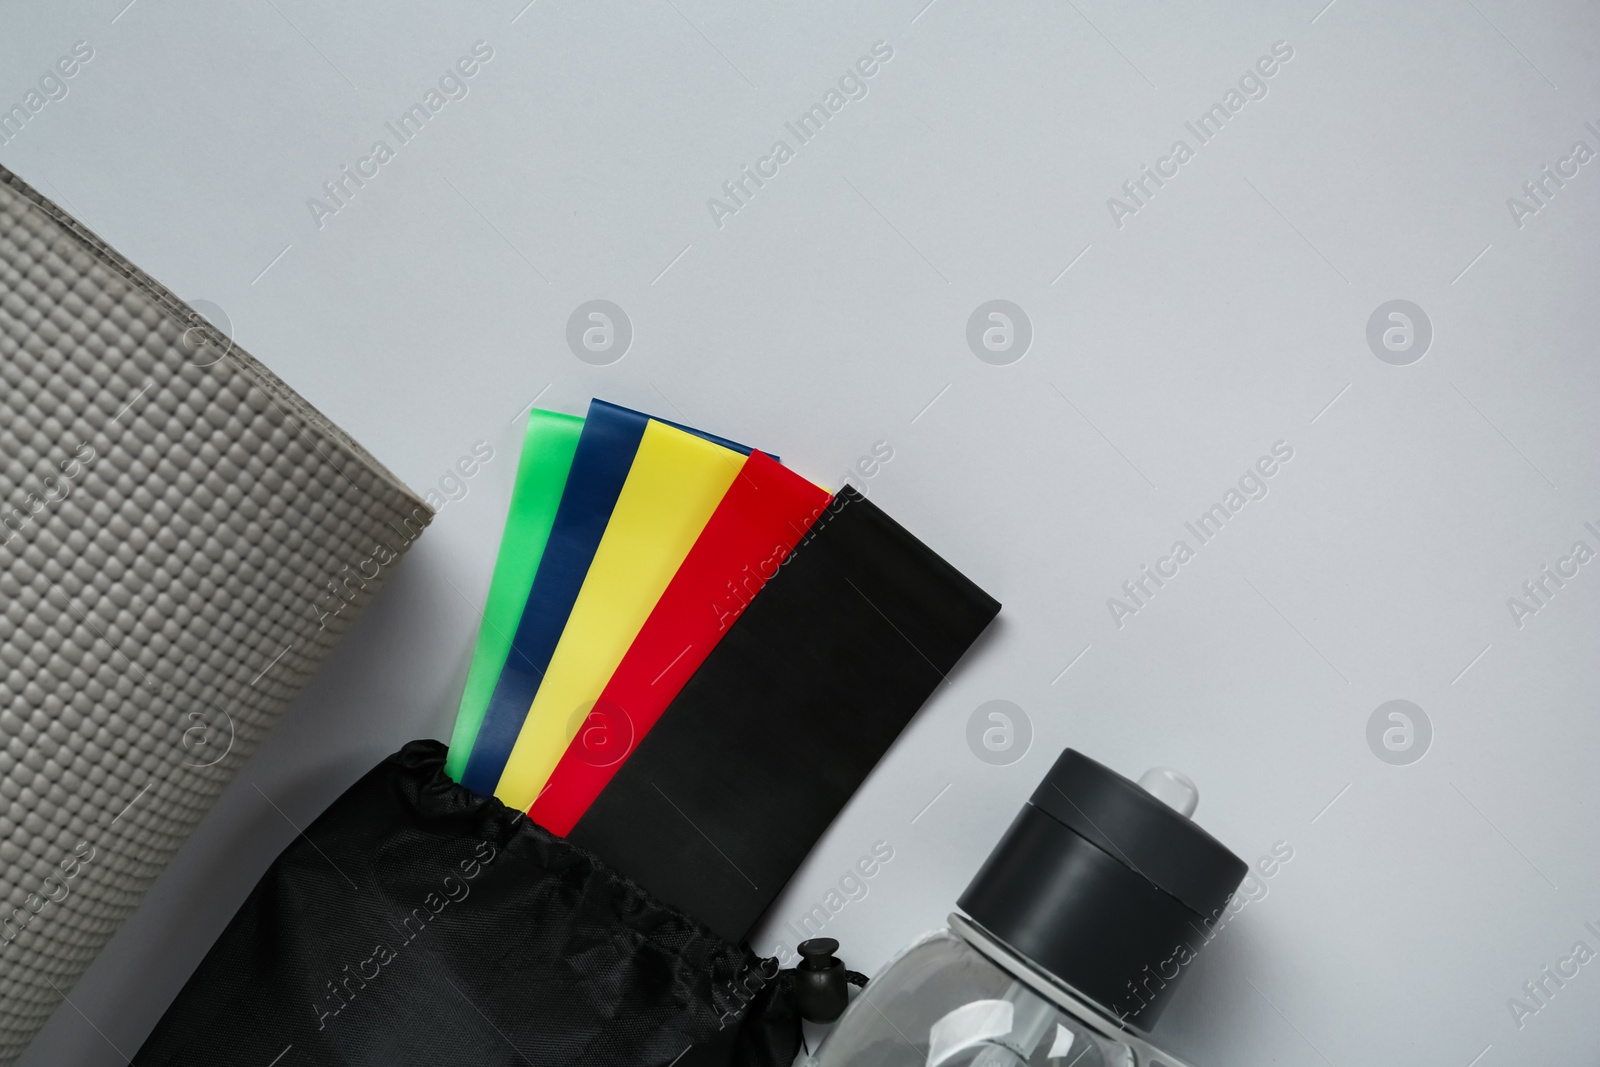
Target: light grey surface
(831, 312)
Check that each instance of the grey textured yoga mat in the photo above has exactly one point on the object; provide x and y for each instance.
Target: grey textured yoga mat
(182, 540)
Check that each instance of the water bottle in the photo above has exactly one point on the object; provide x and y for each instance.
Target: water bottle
(1068, 943)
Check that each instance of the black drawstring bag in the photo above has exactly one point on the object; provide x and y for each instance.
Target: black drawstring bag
(417, 923)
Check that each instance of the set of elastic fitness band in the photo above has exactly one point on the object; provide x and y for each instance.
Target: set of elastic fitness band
(601, 699)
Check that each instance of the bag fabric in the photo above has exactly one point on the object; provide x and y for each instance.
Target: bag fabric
(418, 923)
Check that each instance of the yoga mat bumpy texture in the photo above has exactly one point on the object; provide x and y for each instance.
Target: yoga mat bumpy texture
(182, 541)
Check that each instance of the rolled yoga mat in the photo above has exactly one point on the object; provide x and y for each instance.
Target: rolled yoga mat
(605, 452)
(182, 541)
(766, 510)
(722, 800)
(548, 443)
(675, 484)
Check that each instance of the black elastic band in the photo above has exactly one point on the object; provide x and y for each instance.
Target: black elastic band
(765, 744)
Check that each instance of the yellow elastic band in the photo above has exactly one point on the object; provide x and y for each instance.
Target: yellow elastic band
(675, 483)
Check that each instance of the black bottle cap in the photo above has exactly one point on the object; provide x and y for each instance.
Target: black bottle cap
(1130, 824)
(1104, 886)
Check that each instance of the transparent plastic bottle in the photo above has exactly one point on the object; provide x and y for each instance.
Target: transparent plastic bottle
(1069, 942)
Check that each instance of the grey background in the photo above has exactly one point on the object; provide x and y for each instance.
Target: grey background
(830, 313)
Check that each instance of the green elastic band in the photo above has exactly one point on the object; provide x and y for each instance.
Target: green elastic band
(547, 449)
